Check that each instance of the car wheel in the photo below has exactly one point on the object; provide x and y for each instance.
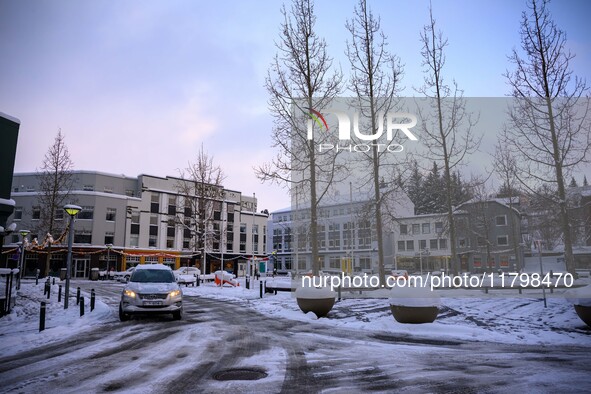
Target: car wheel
(177, 315)
(122, 315)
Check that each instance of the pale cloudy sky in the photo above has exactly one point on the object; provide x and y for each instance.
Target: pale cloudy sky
(138, 86)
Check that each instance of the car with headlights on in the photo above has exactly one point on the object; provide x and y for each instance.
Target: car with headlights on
(152, 289)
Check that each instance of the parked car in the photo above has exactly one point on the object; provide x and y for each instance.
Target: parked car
(123, 276)
(187, 275)
(187, 271)
(151, 289)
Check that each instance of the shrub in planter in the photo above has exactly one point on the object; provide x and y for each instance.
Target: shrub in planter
(318, 300)
(581, 298)
(414, 305)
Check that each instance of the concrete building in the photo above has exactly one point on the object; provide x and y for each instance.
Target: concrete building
(346, 235)
(145, 219)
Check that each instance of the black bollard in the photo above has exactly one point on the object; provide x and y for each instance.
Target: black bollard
(92, 299)
(198, 280)
(59, 293)
(42, 317)
(54, 280)
(81, 306)
(261, 286)
(339, 290)
(247, 282)
(77, 295)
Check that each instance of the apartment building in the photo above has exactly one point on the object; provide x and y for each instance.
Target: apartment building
(136, 220)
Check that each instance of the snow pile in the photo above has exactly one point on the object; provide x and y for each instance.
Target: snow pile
(20, 329)
(580, 296)
(314, 293)
(414, 296)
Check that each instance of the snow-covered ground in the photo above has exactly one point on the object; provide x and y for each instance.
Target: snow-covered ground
(469, 315)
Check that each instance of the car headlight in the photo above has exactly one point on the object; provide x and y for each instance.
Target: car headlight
(129, 293)
(174, 293)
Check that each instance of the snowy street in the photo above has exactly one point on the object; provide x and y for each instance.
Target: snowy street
(219, 334)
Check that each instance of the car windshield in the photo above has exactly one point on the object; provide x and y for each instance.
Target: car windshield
(152, 276)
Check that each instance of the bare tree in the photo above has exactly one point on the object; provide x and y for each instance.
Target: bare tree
(55, 186)
(200, 189)
(375, 79)
(549, 133)
(505, 167)
(448, 130)
(299, 81)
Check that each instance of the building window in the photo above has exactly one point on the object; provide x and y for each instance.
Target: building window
(18, 213)
(154, 225)
(87, 213)
(169, 242)
(501, 220)
(109, 238)
(364, 263)
(462, 242)
(403, 229)
(410, 245)
(416, 228)
(36, 215)
(130, 193)
(155, 203)
(438, 227)
(401, 245)
(172, 205)
(111, 212)
(108, 189)
(443, 243)
(334, 262)
(502, 240)
(135, 222)
(433, 244)
(134, 240)
(88, 188)
(82, 237)
(152, 241)
(426, 228)
(151, 260)
(422, 244)
(59, 214)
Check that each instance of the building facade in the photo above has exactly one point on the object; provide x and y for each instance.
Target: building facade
(129, 221)
(347, 238)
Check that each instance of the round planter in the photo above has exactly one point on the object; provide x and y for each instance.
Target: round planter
(317, 300)
(581, 299)
(414, 314)
(414, 305)
(584, 313)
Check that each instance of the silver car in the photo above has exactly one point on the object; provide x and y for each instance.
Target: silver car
(151, 289)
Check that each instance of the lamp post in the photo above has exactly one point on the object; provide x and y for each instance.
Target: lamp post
(109, 246)
(71, 210)
(21, 259)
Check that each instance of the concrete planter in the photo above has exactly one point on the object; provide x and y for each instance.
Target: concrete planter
(414, 305)
(581, 299)
(414, 314)
(584, 313)
(316, 300)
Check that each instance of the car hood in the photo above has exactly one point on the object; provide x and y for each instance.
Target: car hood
(145, 288)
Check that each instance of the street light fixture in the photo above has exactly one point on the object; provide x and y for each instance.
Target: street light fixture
(71, 210)
(109, 246)
(23, 234)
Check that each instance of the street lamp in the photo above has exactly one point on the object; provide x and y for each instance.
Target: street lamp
(71, 210)
(23, 234)
(109, 246)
